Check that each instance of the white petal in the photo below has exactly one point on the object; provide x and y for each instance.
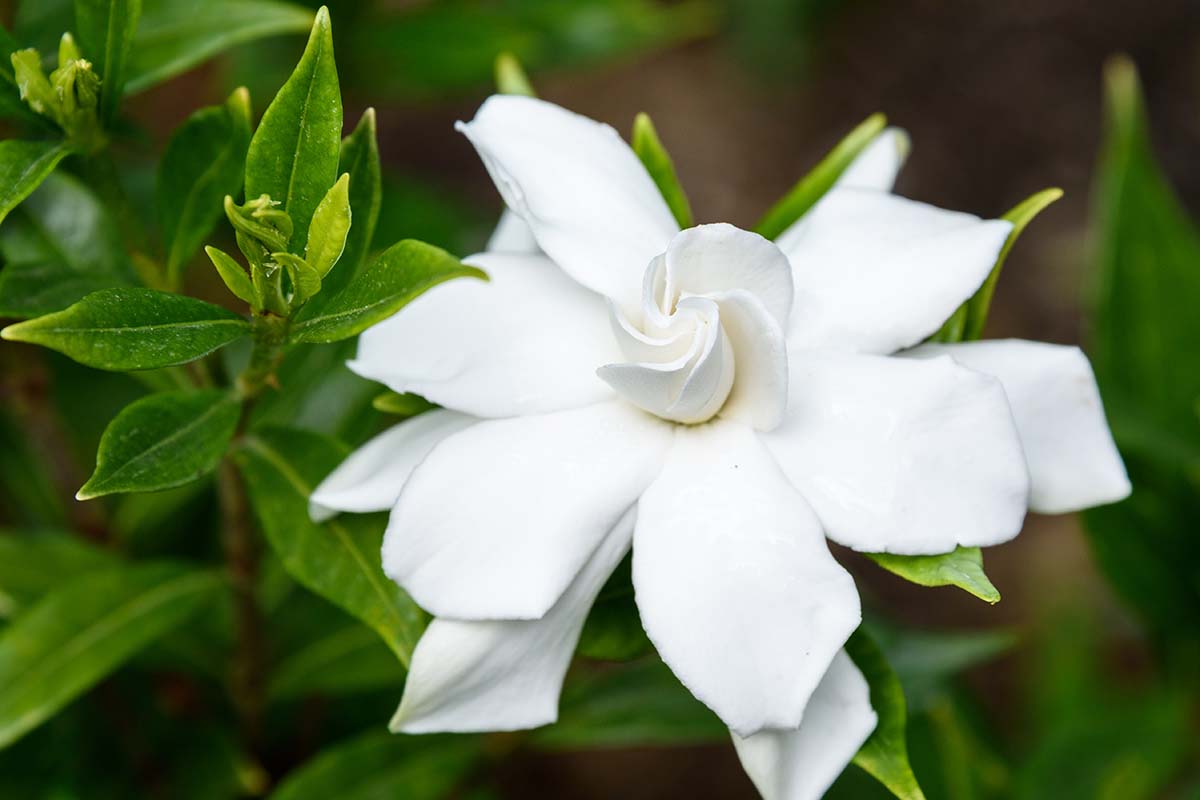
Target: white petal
(717, 258)
(1073, 461)
(900, 455)
(760, 386)
(734, 582)
(512, 235)
(876, 273)
(802, 764)
(503, 675)
(526, 342)
(500, 517)
(591, 204)
(371, 477)
(878, 165)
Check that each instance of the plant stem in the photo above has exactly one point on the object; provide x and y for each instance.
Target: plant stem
(270, 333)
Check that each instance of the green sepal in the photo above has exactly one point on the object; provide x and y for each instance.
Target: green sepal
(962, 567)
(658, 163)
(261, 220)
(401, 405)
(34, 86)
(306, 281)
(68, 50)
(235, 278)
(511, 77)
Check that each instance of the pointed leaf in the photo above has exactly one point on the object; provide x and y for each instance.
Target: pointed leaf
(809, 189)
(658, 163)
(106, 29)
(293, 156)
(962, 567)
(203, 163)
(338, 559)
(23, 167)
(235, 278)
(885, 754)
(400, 274)
(330, 225)
(163, 440)
(359, 159)
(131, 329)
(176, 35)
(76, 635)
(511, 77)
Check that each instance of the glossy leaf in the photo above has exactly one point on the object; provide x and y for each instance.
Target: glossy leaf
(131, 329)
(962, 567)
(176, 35)
(339, 559)
(293, 156)
(235, 277)
(82, 631)
(380, 765)
(163, 440)
(204, 161)
(331, 224)
(58, 246)
(106, 29)
(360, 160)
(658, 163)
(397, 276)
(23, 167)
(809, 189)
(885, 754)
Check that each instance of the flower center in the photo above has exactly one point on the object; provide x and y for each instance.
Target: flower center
(708, 336)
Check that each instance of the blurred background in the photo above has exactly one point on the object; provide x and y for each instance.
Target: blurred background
(1081, 683)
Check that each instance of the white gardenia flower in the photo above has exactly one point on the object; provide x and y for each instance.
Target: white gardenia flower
(718, 402)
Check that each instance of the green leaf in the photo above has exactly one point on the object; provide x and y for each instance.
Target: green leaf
(81, 632)
(378, 765)
(658, 163)
(130, 329)
(401, 405)
(106, 29)
(23, 167)
(33, 564)
(11, 104)
(176, 35)
(59, 245)
(962, 567)
(203, 162)
(809, 189)
(511, 77)
(613, 630)
(162, 441)
(349, 660)
(294, 153)
(330, 226)
(397, 276)
(235, 278)
(359, 159)
(885, 754)
(338, 559)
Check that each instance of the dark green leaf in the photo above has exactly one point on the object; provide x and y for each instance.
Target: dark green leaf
(359, 159)
(962, 567)
(23, 167)
(128, 329)
(162, 441)
(294, 153)
(401, 405)
(926, 661)
(339, 559)
(106, 29)
(511, 77)
(613, 630)
(176, 35)
(29, 495)
(352, 659)
(78, 634)
(378, 765)
(397, 276)
(885, 753)
(658, 163)
(33, 564)
(58, 246)
(203, 162)
(809, 189)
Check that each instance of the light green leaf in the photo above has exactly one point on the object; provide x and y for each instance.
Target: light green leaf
(305, 280)
(349, 660)
(885, 754)
(378, 765)
(32, 564)
(131, 329)
(294, 153)
(235, 278)
(203, 163)
(23, 167)
(81, 632)
(401, 405)
(339, 559)
(59, 245)
(176, 35)
(809, 189)
(330, 226)
(658, 163)
(511, 77)
(163, 440)
(397, 276)
(11, 104)
(106, 29)
(962, 567)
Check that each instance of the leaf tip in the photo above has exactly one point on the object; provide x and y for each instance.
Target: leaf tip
(14, 332)
(511, 77)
